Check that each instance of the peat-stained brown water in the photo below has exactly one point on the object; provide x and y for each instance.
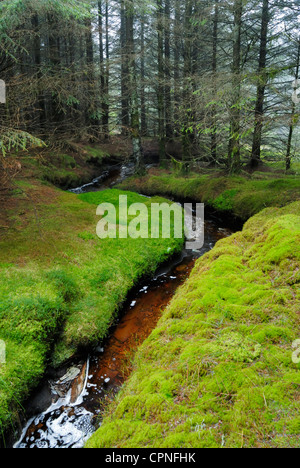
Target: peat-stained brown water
(78, 395)
(139, 317)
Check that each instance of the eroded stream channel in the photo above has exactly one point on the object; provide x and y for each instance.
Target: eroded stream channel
(66, 409)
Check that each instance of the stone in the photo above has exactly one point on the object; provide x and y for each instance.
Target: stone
(78, 384)
(71, 374)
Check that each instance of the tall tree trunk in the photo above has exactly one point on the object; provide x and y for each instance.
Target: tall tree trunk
(261, 88)
(101, 56)
(72, 45)
(105, 119)
(167, 90)
(234, 137)
(133, 92)
(214, 73)
(294, 118)
(92, 120)
(187, 135)
(124, 72)
(55, 112)
(38, 64)
(144, 129)
(176, 36)
(160, 85)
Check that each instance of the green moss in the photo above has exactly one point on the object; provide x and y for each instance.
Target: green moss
(241, 196)
(225, 201)
(32, 308)
(60, 177)
(96, 154)
(218, 371)
(61, 286)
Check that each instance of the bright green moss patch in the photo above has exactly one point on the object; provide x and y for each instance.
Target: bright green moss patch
(241, 196)
(32, 308)
(218, 371)
(60, 285)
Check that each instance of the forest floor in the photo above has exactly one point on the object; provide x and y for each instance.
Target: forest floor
(60, 286)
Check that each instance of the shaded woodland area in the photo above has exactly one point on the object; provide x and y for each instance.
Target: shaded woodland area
(216, 78)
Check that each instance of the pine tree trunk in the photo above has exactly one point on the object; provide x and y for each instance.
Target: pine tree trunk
(101, 57)
(261, 88)
(133, 92)
(234, 138)
(187, 136)
(38, 64)
(144, 129)
(160, 86)
(167, 90)
(214, 72)
(124, 72)
(293, 118)
(176, 65)
(105, 105)
(92, 120)
(55, 113)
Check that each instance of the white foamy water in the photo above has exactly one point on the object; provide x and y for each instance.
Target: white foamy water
(63, 425)
(69, 428)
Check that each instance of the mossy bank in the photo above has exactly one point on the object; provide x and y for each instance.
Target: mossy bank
(218, 369)
(60, 285)
(237, 196)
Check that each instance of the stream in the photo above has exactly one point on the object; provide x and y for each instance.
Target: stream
(66, 408)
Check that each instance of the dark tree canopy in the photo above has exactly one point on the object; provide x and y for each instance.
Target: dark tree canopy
(214, 77)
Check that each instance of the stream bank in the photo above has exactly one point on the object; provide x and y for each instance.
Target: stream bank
(84, 246)
(218, 370)
(65, 411)
(60, 286)
(234, 198)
